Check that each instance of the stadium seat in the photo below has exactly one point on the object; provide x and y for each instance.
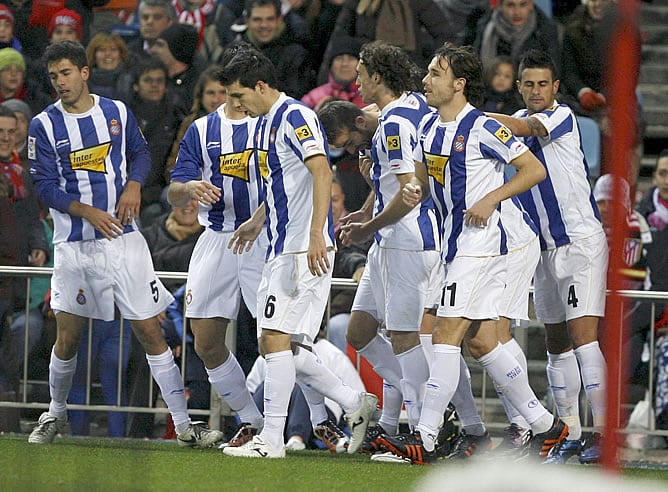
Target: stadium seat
(545, 6)
(591, 144)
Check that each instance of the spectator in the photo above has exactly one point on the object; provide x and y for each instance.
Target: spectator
(159, 113)
(23, 117)
(279, 41)
(501, 95)
(175, 47)
(7, 38)
(417, 26)
(13, 82)
(108, 57)
(154, 17)
(208, 95)
(65, 25)
(512, 28)
(342, 83)
(197, 13)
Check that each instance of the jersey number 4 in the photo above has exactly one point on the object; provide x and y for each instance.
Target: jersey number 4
(572, 298)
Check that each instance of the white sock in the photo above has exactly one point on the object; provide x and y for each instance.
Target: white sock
(316, 404)
(415, 372)
(441, 385)
(230, 382)
(278, 383)
(465, 404)
(506, 372)
(61, 373)
(428, 347)
(513, 415)
(312, 372)
(563, 374)
(380, 355)
(592, 368)
(168, 377)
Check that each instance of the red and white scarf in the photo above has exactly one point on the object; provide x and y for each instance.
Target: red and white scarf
(195, 17)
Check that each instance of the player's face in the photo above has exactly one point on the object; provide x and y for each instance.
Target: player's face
(352, 140)
(661, 177)
(152, 21)
(368, 84)
(264, 22)
(69, 81)
(516, 11)
(439, 83)
(246, 99)
(213, 95)
(538, 89)
(108, 56)
(64, 33)
(7, 136)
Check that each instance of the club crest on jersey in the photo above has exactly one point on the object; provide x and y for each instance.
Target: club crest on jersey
(235, 164)
(189, 297)
(115, 127)
(436, 165)
(81, 298)
(393, 143)
(91, 158)
(459, 144)
(303, 132)
(503, 134)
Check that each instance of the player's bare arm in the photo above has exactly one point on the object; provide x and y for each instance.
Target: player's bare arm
(128, 204)
(417, 189)
(243, 238)
(107, 224)
(318, 262)
(521, 127)
(180, 194)
(530, 172)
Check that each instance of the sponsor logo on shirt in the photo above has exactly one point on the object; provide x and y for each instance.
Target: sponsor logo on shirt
(436, 165)
(261, 156)
(91, 158)
(235, 164)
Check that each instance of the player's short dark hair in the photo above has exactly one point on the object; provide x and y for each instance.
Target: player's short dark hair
(66, 50)
(464, 64)
(248, 67)
(394, 66)
(337, 115)
(537, 59)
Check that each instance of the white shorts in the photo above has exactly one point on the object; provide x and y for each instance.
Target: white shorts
(521, 265)
(395, 285)
(218, 278)
(290, 298)
(90, 276)
(570, 280)
(436, 282)
(473, 287)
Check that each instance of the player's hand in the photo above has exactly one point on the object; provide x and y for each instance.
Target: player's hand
(365, 164)
(204, 192)
(127, 208)
(356, 216)
(243, 238)
(411, 194)
(354, 232)
(107, 224)
(479, 214)
(318, 261)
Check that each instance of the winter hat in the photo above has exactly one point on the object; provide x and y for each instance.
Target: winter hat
(344, 45)
(182, 40)
(6, 14)
(9, 57)
(16, 105)
(603, 189)
(65, 17)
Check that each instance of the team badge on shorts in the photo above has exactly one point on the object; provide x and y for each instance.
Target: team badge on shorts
(115, 127)
(458, 144)
(189, 297)
(81, 298)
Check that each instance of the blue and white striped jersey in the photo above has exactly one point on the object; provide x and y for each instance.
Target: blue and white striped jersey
(287, 135)
(392, 150)
(220, 151)
(562, 206)
(87, 157)
(464, 160)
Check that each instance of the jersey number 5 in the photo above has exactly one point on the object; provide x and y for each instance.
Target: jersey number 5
(154, 290)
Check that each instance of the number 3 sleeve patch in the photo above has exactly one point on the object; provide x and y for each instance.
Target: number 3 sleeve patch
(303, 132)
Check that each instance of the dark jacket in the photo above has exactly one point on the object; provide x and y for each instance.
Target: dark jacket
(657, 250)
